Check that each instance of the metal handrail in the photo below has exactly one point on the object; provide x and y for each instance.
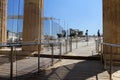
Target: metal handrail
(109, 44)
(28, 44)
(111, 54)
(12, 45)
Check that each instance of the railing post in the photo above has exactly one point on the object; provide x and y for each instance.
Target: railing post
(101, 48)
(39, 47)
(76, 42)
(111, 61)
(60, 51)
(96, 45)
(101, 53)
(48, 44)
(70, 44)
(52, 49)
(11, 63)
(105, 58)
(66, 45)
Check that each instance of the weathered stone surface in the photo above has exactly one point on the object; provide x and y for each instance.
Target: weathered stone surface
(33, 22)
(111, 24)
(3, 20)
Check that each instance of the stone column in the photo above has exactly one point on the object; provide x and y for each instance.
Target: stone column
(33, 22)
(3, 21)
(111, 25)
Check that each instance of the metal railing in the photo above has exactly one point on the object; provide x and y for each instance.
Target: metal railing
(103, 54)
(38, 44)
(63, 48)
(11, 46)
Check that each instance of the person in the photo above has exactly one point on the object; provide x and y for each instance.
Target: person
(98, 33)
(86, 35)
(64, 33)
(98, 40)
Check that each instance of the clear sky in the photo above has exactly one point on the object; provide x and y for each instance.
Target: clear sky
(15, 7)
(78, 14)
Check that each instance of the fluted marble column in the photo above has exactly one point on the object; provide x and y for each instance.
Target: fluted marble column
(33, 22)
(3, 20)
(111, 25)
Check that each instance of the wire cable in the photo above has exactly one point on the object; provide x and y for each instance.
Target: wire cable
(17, 32)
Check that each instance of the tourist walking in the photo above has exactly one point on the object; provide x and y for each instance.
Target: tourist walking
(86, 35)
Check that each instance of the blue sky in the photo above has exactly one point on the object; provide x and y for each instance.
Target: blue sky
(78, 14)
(15, 25)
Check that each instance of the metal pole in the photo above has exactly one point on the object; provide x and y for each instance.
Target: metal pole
(105, 57)
(48, 43)
(52, 54)
(60, 51)
(96, 45)
(101, 48)
(39, 57)
(87, 39)
(101, 53)
(40, 3)
(76, 42)
(11, 63)
(111, 60)
(66, 45)
(70, 44)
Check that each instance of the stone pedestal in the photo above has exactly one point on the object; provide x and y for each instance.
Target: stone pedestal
(33, 22)
(3, 21)
(111, 25)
